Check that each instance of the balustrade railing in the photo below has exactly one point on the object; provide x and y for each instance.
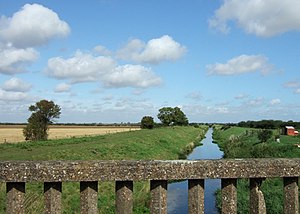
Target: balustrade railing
(52, 173)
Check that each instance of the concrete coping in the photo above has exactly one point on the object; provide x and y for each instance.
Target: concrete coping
(138, 170)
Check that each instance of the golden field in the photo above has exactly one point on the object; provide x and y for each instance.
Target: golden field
(14, 133)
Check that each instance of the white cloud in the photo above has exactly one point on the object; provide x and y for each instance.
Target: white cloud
(275, 102)
(241, 96)
(194, 95)
(292, 84)
(62, 87)
(154, 51)
(102, 50)
(262, 18)
(297, 91)
(240, 65)
(81, 67)
(84, 67)
(259, 101)
(16, 85)
(131, 76)
(15, 60)
(33, 25)
(12, 96)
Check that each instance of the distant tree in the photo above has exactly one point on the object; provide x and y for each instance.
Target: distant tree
(172, 116)
(264, 134)
(147, 122)
(165, 115)
(43, 113)
(179, 117)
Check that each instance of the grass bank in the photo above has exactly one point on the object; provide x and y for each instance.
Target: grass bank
(237, 142)
(161, 143)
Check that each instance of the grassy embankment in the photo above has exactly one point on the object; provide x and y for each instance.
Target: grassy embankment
(237, 142)
(161, 143)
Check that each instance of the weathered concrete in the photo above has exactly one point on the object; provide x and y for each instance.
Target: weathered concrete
(124, 197)
(89, 197)
(257, 200)
(53, 173)
(52, 195)
(196, 196)
(291, 195)
(15, 193)
(158, 201)
(229, 196)
(57, 171)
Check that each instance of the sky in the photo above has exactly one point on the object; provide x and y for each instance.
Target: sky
(113, 61)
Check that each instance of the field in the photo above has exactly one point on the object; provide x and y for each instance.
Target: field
(238, 142)
(159, 143)
(14, 133)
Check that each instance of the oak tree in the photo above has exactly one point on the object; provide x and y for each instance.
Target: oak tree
(43, 113)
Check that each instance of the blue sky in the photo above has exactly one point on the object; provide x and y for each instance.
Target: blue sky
(117, 61)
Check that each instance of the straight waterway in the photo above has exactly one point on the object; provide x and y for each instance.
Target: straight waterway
(178, 192)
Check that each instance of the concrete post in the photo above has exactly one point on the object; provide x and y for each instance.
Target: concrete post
(196, 196)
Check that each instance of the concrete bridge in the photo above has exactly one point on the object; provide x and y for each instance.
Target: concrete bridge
(17, 173)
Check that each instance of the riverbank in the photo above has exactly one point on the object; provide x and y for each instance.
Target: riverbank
(178, 191)
(161, 143)
(238, 142)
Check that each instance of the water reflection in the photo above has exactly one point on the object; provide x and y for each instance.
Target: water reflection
(178, 192)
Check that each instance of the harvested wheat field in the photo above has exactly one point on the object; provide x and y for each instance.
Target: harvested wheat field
(14, 133)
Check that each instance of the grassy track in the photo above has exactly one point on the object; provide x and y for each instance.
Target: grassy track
(161, 143)
(237, 142)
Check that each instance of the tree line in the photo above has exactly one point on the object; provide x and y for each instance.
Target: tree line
(268, 124)
(168, 116)
(45, 112)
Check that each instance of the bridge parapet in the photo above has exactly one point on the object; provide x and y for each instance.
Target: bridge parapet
(53, 173)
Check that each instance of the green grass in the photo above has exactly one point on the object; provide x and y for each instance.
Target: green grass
(160, 143)
(237, 142)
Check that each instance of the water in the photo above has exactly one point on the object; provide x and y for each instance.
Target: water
(178, 192)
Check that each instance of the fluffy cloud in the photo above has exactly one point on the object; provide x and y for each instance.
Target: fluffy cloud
(241, 64)
(275, 102)
(16, 85)
(33, 25)
(12, 96)
(63, 87)
(294, 85)
(83, 67)
(153, 52)
(194, 95)
(241, 96)
(262, 18)
(15, 60)
(259, 101)
(131, 76)
(102, 50)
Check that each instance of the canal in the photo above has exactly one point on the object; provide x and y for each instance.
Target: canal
(178, 192)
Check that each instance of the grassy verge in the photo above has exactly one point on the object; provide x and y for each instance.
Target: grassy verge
(237, 142)
(161, 143)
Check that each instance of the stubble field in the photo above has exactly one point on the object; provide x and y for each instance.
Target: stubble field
(14, 133)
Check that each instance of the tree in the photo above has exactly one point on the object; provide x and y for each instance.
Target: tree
(147, 122)
(179, 117)
(264, 134)
(172, 116)
(43, 113)
(165, 115)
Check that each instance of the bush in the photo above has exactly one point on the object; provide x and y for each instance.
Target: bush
(147, 122)
(264, 135)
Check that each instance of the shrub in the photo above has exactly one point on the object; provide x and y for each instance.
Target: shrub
(147, 122)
